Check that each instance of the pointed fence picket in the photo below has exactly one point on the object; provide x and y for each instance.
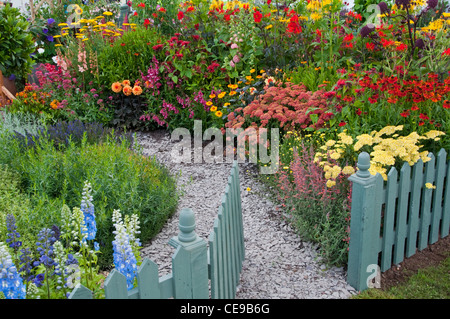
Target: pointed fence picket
(194, 264)
(392, 221)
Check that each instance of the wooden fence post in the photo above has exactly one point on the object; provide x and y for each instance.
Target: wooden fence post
(190, 261)
(363, 238)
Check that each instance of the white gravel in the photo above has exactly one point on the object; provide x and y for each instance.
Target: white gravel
(278, 264)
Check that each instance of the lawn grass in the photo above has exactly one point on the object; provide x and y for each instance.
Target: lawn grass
(429, 283)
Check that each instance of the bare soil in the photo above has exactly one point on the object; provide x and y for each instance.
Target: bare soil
(430, 256)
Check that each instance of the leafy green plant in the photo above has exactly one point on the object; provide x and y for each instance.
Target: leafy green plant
(121, 179)
(16, 43)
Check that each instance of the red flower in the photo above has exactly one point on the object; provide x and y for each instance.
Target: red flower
(146, 22)
(268, 2)
(190, 9)
(446, 104)
(370, 46)
(405, 113)
(180, 15)
(294, 26)
(122, 44)
(158, 47)
(414, 107)
(446, 52)
(423, 116)
(257, 16)
(227, 17)
(342, 123)
(196, 26)
(401, 47)
(142, 5)
(162, 9)
(348, 37)
(135, 13)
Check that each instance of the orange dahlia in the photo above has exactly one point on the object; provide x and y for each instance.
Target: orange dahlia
(127, 90)
(116, 87)
(137, 90)
(126, 82)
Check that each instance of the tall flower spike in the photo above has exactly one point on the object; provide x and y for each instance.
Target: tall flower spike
(10, 282)
(87, 207)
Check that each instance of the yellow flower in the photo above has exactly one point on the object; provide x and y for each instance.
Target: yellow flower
(348, 170)
(430, 186)
(252, 71)
(226, 104)
(62, 24)
(269, 26)
(232, 93)
(58, 45)
(209, 103)
(262, 71)
(85, 39)
(218, 114)
(107, 13)
(221, 95)
(213, 108)
(248, 189)
(330, 183)
(211, 96)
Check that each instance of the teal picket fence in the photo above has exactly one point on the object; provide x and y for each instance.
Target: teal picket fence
(200, 269)
(392, 220)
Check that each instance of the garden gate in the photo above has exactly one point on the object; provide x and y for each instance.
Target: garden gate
(390, 222)
(194, 264)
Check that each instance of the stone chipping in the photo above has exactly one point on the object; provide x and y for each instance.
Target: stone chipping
(278, 263)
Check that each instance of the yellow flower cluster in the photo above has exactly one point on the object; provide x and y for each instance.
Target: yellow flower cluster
(387, 148)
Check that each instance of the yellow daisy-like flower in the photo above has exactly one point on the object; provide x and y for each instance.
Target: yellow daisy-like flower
(62, 24)
(233, 86)
(58, 45)
(85, 39)
(269, 26)
(107, 13)
(213, 108)
(233, 93)
(57, 36)
(100, 17)
(252, 71)
(221, 95)
(226, 104)
(209, 103)
(211, 96)
(218, 114)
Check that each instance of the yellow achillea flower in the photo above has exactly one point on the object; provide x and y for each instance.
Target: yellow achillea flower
(330, 183)
(430, 186)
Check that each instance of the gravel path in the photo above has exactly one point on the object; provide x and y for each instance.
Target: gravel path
(278, 264)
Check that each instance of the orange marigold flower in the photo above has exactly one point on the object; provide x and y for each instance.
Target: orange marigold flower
(127, 90)
(116, 87)
(137, 90)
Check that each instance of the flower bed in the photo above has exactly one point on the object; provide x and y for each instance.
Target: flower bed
(335, 82)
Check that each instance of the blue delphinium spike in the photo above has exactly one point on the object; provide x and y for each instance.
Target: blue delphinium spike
(11, 283)
(87, 207)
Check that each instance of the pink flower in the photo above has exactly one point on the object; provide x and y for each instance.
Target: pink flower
(234, 46)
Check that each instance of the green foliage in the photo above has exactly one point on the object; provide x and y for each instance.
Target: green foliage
(121, 179)
(128, 56)
(16, 43)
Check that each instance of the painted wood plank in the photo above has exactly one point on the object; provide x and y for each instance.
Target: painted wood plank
(445, 224)
(436, 213)
(227, 250)
(166, 286)
(80, 292)
(238, 183)
(388, 219)
(236, 225)
(402, 210)
(116, 286)
(426, 203)
(213, 258)
(223, 276)
(233, 263)
(148, 280)
(414, 206)
(379, 194)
